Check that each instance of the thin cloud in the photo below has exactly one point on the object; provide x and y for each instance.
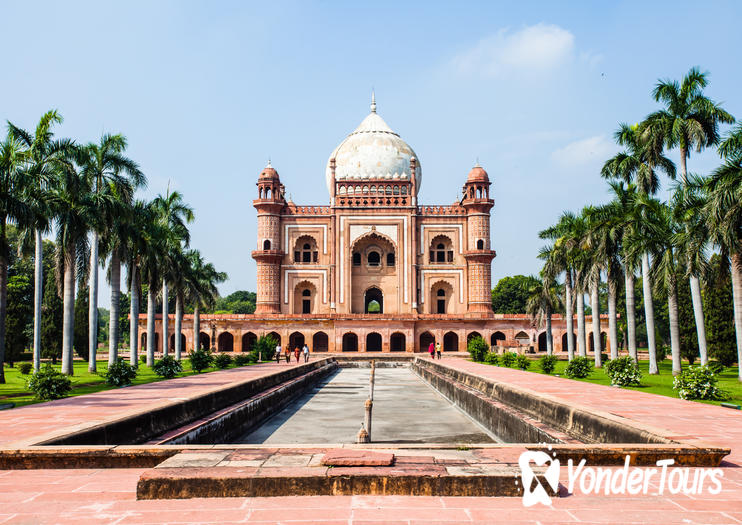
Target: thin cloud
(584, 152)
(537, 48)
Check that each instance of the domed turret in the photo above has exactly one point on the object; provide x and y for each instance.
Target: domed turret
(477, 174)
(373, 151)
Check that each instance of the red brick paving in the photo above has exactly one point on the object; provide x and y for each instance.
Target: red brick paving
(108, 495)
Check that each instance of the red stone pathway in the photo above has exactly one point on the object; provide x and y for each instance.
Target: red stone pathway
(108, 496)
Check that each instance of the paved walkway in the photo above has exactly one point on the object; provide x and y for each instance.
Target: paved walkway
(108, 496)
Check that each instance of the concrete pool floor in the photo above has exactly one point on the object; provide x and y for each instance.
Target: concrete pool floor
(406, 410)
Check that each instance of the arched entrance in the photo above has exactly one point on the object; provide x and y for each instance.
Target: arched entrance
(374, 301)
(472, 335)
(397, 342)
(565, 348)
(350, 342)
(204, 341)
(276, 338)
(450, 342)
(182, 341)
(542, 342)
(296, 340)
(425, 339)
(522, 338)
(373, 342)
(319, 342)
(497, 339)
(248, 341)
(225, 342)
(305, 298)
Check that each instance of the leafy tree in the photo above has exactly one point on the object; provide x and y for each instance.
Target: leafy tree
(81, 323)
(511, 294)
(717, 304)
(20, 311)
(51, 320)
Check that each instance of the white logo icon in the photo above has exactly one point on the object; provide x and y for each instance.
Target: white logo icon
(538, 494)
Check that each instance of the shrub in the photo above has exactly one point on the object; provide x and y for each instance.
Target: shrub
(548, 363)
(143, 358)
(491, 358)
(661, 353)
(697, 382)
(265, 346)
(200, 360)
(522, 361)
(623, 371)
(49, 383)
(717, 367)
(603, 358)
(223, 361)
(579, 368)
(242, 359)
(477, 349)
(120, 373)
(168, 367)
(508, 359)
(25, 368)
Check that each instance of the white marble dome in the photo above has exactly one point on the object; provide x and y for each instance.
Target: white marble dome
(373, 151)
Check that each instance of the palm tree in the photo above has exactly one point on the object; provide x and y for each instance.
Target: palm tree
(173, 214)
(136, 242)
(44, 152)
(76, 212)
(689, 120)
(104, 165)
(200, 288)
(656, 234)
(724, 215)
(180, 268)
(543, 299)
(639, 163)
(150, 257)
(13, 208)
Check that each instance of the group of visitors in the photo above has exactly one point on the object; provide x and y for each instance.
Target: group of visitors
(434, 349)
(298, 352)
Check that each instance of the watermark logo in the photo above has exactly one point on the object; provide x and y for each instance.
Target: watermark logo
(582, 479)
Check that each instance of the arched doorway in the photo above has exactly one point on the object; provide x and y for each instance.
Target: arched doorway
(565, 348)
(182, 342)
(225, 342)
(204, 341)
(374, 301)
(450, 342)
(296, 339)
(248, 341)
(350, 342)
(440, 297)
(305, 298)
(143, 341)
(542, 342)
(522, 338)
(425, 339)
(319, 342)
(497, 339)
(373, 342)
(472, 335)
(276, 338)
(397, 342)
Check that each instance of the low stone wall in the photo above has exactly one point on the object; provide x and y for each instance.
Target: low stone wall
(144, 426)
(555, 416)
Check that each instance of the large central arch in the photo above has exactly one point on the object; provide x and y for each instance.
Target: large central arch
(371, 296)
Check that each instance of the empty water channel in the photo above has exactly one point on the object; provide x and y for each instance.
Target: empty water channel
(405, 410)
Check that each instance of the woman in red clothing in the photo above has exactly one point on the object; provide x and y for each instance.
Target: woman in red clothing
(297, 352)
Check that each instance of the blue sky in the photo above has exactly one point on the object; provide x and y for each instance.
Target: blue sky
(206, 92)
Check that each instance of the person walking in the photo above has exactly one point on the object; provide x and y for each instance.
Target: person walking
(438, 350)
(305, 350)
(287, 354)
(278, 353)
(431, 350)
(297, 353)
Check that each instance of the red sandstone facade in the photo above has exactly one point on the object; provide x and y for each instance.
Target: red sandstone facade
(374, 270)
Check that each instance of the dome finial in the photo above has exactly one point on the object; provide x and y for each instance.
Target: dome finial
(269, 163)
(373, 101)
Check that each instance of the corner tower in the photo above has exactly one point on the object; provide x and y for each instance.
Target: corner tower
(268, 255)
(478, 253)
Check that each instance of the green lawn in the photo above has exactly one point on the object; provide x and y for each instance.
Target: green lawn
(659, 384)
(83, 382)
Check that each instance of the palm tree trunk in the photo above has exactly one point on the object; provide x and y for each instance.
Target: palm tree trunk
(150, 325)
(631, 313)
(612, 317)
(672, 313)
(113, 322)
(37, 298)
(695, 293)
(178, 325)
(93, 304)
(165, 319)
(68, 311)
(134, 319)
(649, 315)
(196, 327)
(595, 306)
(568, 314)
(581, 338)
(549, 335)
(3, 304)
(737, 301)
